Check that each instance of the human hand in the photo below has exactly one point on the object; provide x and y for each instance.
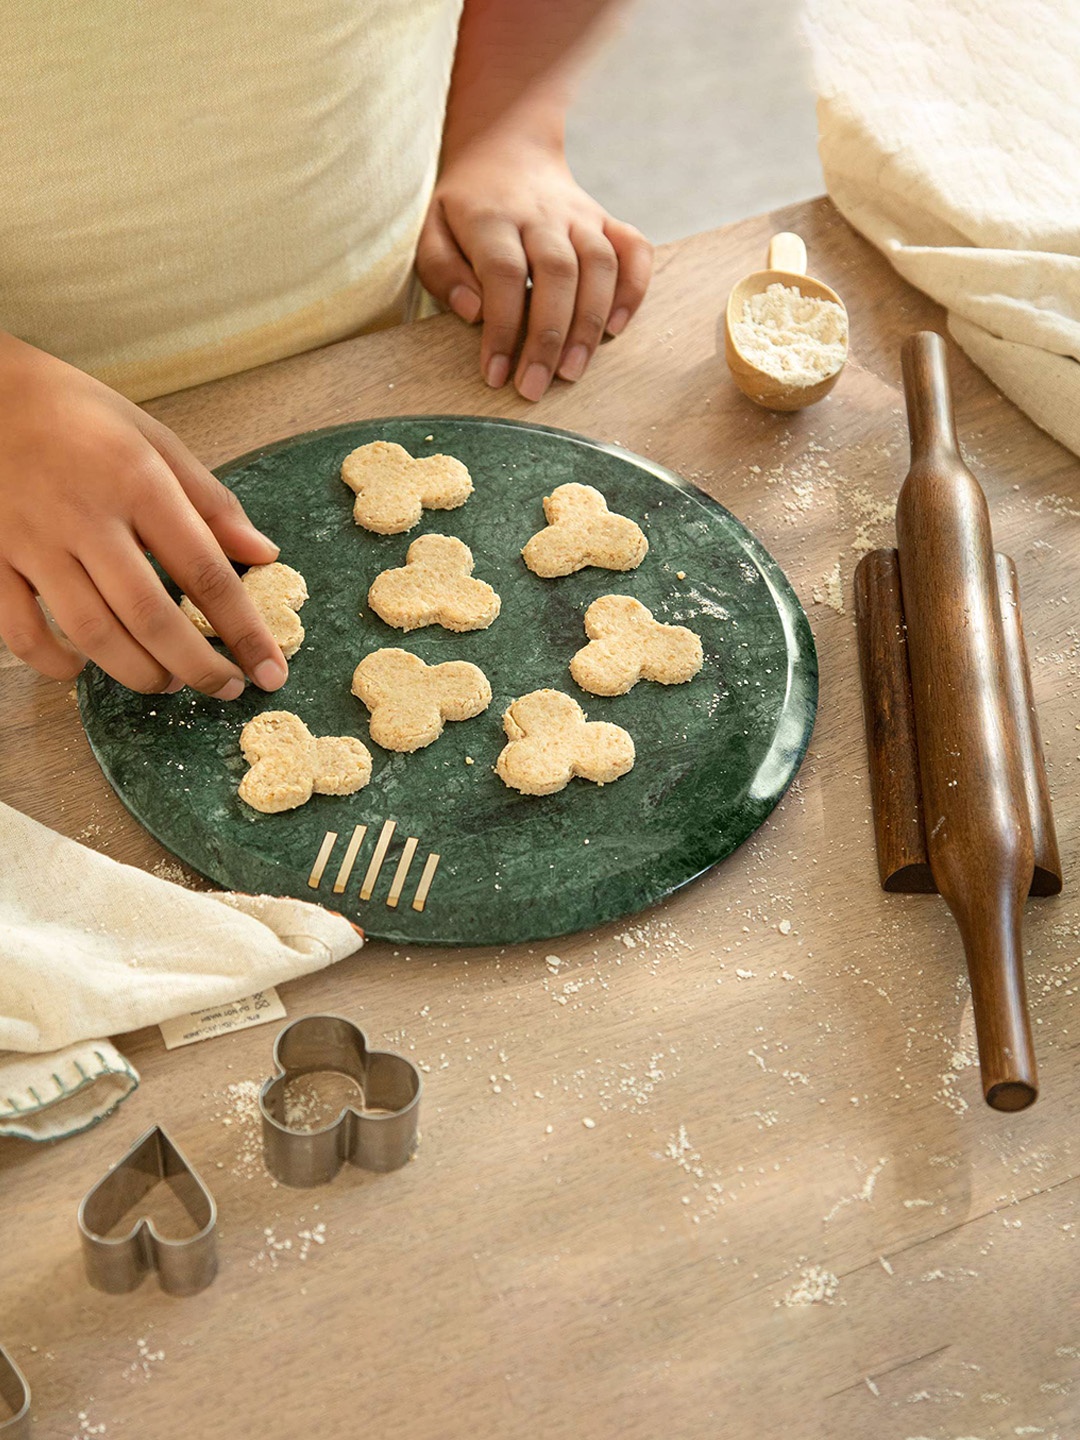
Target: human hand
(88, 484)
(505, 209)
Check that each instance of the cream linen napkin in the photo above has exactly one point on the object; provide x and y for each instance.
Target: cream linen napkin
(950, 137)
(89, 947)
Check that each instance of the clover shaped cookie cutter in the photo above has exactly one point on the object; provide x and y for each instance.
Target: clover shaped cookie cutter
(117, 1264)
(16, 1396)
(381, 1136)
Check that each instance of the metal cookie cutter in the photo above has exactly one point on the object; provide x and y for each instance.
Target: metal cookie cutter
(380, 1136)
(117, 1264)
(16, 1395)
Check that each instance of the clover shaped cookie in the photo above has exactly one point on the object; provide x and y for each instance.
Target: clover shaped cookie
(393, 490)
(551, 742)
(410, 701)
(434, 587)
(289, 765)
(277, 591)
(627, 645)
(582, 531)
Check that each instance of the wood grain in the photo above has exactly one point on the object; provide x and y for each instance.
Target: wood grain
(1047, 878)
(629, 1280)
(889, 714)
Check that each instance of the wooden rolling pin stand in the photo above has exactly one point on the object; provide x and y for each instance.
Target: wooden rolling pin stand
(957, 779)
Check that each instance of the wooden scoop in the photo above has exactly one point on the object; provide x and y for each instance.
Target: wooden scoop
(786, 266)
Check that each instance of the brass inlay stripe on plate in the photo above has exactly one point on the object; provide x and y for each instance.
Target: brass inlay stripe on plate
(325, 849)
(402, 871)
(420, 898)
(385, 836)
(350, 859)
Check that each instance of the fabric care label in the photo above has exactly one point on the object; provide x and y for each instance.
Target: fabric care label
(222, 1019)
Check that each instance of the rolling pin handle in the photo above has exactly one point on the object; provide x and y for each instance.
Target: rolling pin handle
(929, 399)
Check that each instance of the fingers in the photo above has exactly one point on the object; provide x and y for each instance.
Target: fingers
(25, 632)
(217, 504)
(584, 281)
(83, 615)
(553, 264)
(498, 258)
(188, 551)
(598, 272)
(443, 269)
(635, 256)
(130, 587)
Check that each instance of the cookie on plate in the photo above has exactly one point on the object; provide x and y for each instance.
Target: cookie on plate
(410, 701)
(581, 531)
(277, 591)
(551, 742)
(627, 645)
(435, 586)
(393, 489)
(289, 764)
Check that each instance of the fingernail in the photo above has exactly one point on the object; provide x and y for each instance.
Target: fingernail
(574, 362)
(534, 382)
(267, 541)
(231, 690)
(465, 302)
(270, 674)
(617, 321)
(173, 686)
(497, 371)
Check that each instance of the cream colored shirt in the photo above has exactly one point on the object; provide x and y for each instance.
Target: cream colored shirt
(192, 187)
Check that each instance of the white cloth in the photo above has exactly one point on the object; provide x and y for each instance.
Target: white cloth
(89, 948)
(950, 137)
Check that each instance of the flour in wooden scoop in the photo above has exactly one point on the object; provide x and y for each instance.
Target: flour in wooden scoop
(795, 338)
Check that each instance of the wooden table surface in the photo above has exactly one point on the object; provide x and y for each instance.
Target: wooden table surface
(779, 1061)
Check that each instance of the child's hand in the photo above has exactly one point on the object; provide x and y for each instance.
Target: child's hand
(88, 484)
(504, 210)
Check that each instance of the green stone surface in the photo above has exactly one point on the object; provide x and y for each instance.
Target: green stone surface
(713, 756)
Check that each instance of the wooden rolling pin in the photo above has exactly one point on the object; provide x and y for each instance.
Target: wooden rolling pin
(975, 807)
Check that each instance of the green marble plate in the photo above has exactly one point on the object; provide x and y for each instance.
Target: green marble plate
(713, 756)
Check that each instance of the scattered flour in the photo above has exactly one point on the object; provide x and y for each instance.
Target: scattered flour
(865, 1194)
(170, 870)
(141, 1368)
(683, 1153)
(795, 338)
(276, 1248)
(241, 1117)
(815, 1286)
(315, 1100)
(830, 590)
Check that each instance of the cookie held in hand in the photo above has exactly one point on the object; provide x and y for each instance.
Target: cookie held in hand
(277, 591)
(434, 587)
(627, 645)
(551, 741)
(393, 490)
(581, 531)
(410, 701)
(289, 765)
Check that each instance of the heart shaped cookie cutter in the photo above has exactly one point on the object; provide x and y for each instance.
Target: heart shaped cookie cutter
(16, 1395)
(117, 1264)
(380, 1136)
